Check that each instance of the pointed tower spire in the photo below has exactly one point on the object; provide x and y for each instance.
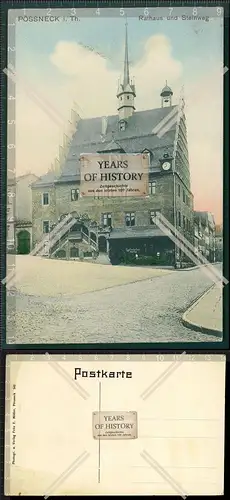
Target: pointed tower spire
(126, 62)
(126, 90)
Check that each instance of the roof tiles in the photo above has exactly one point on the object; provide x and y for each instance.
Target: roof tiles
(136, 137)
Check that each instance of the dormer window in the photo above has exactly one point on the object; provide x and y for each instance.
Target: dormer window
(147, 152)
(122, 125)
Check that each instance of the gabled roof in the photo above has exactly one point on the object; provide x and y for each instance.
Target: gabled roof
(136, 137)
(45, 180)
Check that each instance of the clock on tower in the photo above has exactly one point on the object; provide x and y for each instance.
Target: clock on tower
(166, 165)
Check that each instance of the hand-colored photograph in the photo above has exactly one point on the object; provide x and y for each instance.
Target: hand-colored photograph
(115, 204)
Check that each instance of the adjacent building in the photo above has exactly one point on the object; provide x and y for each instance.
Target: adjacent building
(204, 234)
(219, 243)
(19, 213)
(119, 226)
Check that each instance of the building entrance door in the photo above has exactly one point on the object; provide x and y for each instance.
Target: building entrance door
(23, 242)
(102, 244)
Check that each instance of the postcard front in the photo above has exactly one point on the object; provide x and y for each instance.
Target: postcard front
(115, 193)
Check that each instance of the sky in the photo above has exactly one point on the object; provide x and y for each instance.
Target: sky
(81, 62)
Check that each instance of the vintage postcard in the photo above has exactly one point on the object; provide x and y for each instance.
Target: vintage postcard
(97, 425)
(115, 174)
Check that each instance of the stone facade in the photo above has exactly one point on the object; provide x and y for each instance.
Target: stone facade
(162, 200)
(219, 244)
(181, 154)
(40, 212)
(60, 203)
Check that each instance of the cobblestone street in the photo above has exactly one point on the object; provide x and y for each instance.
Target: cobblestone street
(136, 304)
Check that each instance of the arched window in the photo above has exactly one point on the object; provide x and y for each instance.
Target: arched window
(122, 125)
(74, 253)
(60, 254)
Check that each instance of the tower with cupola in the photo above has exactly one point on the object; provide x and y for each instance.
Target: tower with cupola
(166, 96)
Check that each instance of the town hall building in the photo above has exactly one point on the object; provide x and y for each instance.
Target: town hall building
(75, 226)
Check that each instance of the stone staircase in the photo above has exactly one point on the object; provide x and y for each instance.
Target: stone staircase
(51, 241)
(60, 233)
(89, 241)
